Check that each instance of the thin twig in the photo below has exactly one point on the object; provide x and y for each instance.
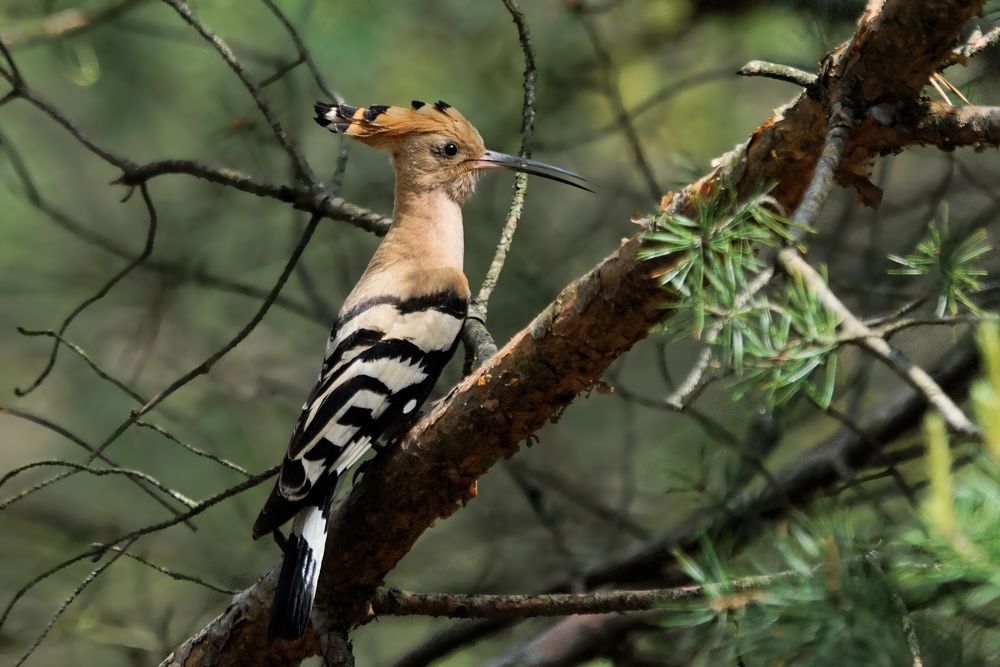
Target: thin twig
(25, 93)
(98, 472)
(138, 398)
(613, 92)
(695, 380)
(394, 602)
(479, 341)
(303, 198)
(911, 635)
(171, 270)
(890, 329)
(67, 602)
(147, 250)
(868, 340)
(301, 166)
(785, 73)
(280, 72)
(77, 440)
(304, 54)
(101, 373)
(208, 363)
(655, 99)
(174, 574)
(129, 537)
(521, 181)
(808, 210)
(225, 463)
(13, 76)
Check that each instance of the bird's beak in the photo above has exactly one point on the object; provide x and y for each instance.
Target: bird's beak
(494, 160)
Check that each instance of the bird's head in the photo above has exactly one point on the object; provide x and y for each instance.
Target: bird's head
(433, 146)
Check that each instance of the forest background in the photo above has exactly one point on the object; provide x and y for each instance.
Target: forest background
(641, 96)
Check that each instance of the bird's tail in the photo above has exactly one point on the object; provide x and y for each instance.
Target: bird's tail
(293, 597)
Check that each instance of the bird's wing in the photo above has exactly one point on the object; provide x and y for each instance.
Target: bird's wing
(382, 360)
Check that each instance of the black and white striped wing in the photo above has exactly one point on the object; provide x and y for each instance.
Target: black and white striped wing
(383, 358)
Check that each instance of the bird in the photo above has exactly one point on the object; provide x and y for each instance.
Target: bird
(395, 331)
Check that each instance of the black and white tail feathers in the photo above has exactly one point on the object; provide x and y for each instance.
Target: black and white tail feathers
(383, 357)
(296, 589)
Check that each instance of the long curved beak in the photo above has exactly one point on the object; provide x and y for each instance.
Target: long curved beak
(494, 160)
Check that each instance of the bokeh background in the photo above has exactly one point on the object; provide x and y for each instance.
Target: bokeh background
(615, 469)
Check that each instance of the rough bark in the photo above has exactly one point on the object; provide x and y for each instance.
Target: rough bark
(567, 348)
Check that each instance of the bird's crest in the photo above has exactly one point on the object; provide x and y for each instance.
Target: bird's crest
(383, 126)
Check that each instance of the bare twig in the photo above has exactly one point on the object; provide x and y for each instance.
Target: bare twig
(307, 199)
(695, 380)
(681, 85)
(521, 181)
(171, 270)
(138, 398)
(785, 73)
(280, 73)
(225, 463)
(174, 574)
(581, 497)
(13, 75)
(89, 579)
(101, 293)
(911, 635)
(917, 377)
(24, 92)
(394, 602)
(302, 168)
(613, 92)
(98, 472)
(129, 538)
(101, 373)
(304, 55)
(839, 125)
(208, 363)
(891, 328)
(77, 440)
(479, 341)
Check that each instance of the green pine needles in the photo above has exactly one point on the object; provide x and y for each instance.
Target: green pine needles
(833, 591)
(950, 261)
(773, 342)
(783, 341)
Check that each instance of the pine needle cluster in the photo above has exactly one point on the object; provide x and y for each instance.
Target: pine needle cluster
(773, 341)
(824, 593)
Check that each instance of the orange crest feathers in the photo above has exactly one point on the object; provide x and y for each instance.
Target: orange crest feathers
(384, 126)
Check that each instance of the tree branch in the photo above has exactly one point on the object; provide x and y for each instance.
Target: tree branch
(394, 602)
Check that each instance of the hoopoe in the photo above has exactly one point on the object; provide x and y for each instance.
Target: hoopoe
(395, 332)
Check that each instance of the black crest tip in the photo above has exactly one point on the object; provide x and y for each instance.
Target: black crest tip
(417, 105)
(374, 111)
(442, 106)
(322, 109)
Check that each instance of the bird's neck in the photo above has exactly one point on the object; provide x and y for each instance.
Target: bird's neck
(424, 243)
(426, 232)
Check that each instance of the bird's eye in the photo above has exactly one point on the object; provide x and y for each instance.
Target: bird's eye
(450, 149)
